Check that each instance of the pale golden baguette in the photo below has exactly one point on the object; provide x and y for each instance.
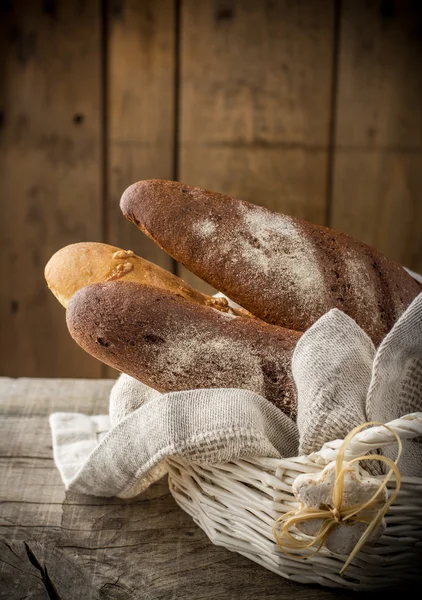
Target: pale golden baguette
(85, 263)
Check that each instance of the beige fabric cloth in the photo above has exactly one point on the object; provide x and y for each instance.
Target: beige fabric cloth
(205, 426)
(396, 383)
(332, 366)
(343, 381)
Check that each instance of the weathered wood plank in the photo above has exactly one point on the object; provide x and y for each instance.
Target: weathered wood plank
(84, 395)
(141, 65)
(41, 572)
(50, 181)
(377, 200)
(69, 546)
(255, 102)
(378, 157)
(19, 578)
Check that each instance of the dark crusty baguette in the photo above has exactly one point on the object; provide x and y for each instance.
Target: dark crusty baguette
(286, 271)
(171, 343)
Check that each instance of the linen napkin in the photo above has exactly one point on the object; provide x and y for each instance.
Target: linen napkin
(205, 426)
(342, 381)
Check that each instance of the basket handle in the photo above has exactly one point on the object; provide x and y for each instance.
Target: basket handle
(407, 427)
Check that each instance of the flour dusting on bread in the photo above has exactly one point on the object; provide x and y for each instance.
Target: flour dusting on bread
(205, 228)
(278, 246)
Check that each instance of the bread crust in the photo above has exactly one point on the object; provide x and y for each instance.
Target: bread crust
(283, 270)
(172, 344)
(84, 263)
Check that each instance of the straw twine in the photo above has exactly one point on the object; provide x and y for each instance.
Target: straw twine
(336, 514)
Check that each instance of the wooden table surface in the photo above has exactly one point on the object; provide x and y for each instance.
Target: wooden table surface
(65, 546)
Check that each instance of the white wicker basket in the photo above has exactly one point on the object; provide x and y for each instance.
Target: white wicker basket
(237, 503)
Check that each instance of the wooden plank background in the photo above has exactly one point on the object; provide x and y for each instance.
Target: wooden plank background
(50, 172)
(310, 108)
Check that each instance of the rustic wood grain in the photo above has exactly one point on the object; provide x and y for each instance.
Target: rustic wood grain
(255, 94)
(64, 546)
(378, 142)
(49, 173)
(140, 108)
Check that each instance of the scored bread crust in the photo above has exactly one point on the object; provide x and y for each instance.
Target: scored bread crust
(84, 263)
(283, 270)
(173, 344)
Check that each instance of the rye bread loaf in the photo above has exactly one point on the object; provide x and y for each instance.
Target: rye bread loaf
(284, 270)
(172, 344)
(77, 265)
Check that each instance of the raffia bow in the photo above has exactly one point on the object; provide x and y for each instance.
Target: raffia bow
(335, 514)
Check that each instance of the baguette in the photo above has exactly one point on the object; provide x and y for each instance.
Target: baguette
(78, 265)
(171, 343)
(283, 270)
